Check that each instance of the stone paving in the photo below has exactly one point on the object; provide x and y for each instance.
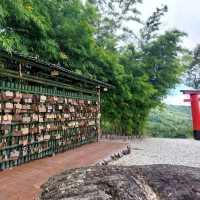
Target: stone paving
(23, 182)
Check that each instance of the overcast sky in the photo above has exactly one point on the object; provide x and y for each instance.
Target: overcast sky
(185, 16)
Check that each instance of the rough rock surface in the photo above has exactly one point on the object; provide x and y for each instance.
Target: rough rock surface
(153, 182)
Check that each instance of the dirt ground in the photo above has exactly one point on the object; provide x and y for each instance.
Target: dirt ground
(23, 182)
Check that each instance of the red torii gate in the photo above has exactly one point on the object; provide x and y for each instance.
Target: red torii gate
(194, 99)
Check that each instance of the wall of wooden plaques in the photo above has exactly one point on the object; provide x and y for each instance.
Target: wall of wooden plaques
(38, 121)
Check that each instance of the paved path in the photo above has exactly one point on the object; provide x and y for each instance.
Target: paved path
(163, 151)
(23, 182)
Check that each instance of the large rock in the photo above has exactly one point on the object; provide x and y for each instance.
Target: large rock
(155, 182)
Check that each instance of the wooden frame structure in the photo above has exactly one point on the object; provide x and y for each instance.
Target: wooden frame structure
(44, 109)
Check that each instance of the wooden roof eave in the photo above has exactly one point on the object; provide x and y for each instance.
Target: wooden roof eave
(47, 66)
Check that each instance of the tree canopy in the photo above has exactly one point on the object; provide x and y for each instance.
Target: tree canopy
(193, 72)
(93, 38)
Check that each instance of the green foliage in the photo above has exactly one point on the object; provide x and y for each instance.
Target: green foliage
(193, 73)
(115, 14)
(86, 38)
(149, 74)
(151, 26)
(170, 122)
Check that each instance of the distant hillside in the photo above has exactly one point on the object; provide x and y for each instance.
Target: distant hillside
(170, 121)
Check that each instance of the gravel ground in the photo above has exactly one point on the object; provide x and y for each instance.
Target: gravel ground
(162, 151)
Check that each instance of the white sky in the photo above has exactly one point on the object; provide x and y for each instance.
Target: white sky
(176, 97)
(185, 16)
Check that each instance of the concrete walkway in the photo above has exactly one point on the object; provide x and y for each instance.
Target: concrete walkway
(23, 182)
